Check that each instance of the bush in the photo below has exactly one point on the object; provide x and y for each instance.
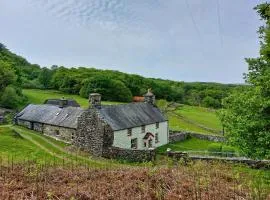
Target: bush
(213, 148)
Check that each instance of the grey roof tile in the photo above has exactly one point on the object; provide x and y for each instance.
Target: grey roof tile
(51, 114)
(131, 115)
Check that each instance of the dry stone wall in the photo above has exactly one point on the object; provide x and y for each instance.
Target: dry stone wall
(183, 135)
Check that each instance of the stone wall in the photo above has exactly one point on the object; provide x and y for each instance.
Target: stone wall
(208, 137)
(180, 136)
(132, 155)
(176, 137)
(38, 127)
(258, 164)
(24, 123)
(93, 135)
(65, 134)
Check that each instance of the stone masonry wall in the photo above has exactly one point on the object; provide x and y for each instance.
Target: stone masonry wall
(176, 137)
(24, 123)
(65, 134)
(180, 136)
(132, 155)
(91, 133)
(38, 127)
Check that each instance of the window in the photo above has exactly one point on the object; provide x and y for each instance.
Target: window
(143, 128)
(157, 125)
(156, 138)
(134, 143)
(129, 132)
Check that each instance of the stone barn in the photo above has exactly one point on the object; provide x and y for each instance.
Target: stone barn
(57, 119)
(132, 126)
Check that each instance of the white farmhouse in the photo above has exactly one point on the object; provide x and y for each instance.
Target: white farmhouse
(138, 126)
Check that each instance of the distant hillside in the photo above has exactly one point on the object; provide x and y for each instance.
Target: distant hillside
(113, 85)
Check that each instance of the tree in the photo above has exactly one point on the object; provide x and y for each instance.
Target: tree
(112, 90)
(7, 75)
(246, 113)
(10, 98)
(45, 77)
(210, 102)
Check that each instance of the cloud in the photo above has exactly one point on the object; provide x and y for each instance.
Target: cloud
(150, 37)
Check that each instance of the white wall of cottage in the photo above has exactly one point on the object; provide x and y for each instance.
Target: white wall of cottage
(123, 140)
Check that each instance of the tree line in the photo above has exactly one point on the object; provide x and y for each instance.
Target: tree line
(113, 85)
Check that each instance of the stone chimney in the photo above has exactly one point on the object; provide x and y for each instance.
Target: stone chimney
(62, 102)
(95, 100)
(149, 97)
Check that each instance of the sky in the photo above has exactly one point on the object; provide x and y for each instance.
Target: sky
(183, 40)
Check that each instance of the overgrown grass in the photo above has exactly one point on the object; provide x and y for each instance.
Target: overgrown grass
(197, 180)
(36, 96)
(200, 115)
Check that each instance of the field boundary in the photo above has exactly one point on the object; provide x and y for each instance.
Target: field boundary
(197, 124)
(177, 136)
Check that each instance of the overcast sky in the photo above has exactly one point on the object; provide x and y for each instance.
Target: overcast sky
(189, 40)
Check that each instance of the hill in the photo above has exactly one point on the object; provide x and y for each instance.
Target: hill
(113, 85)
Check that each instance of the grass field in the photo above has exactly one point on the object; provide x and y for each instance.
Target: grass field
(200, 115)
(20, 144)
(18, 148)
(36, 96)
(176, 123)
(193, 144)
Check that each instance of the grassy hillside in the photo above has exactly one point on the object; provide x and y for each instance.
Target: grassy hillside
(177, 124)
(21, 145)
(200, 115)
(18, 148)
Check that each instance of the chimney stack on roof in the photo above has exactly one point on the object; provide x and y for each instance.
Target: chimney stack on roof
(62, 102)
(149, 97)
(95, 100)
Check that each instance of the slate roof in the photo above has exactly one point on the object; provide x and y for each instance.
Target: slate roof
(51, 114)
(131, 115)
(68, 102)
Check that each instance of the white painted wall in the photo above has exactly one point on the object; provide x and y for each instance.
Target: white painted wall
(122, 140)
